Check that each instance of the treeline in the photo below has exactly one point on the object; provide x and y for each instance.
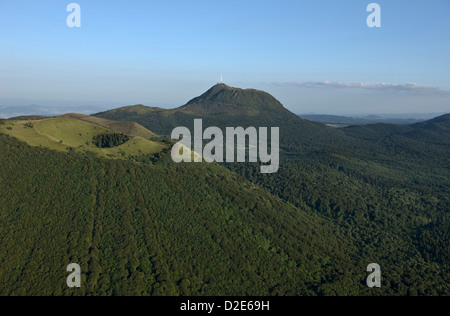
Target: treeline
(110, 140)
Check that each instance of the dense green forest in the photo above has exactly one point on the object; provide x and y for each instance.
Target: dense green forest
(167, 229)
(110, 140)
(157, 229)
(342, 199)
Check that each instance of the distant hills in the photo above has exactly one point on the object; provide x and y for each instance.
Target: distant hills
(225, 106)
(39, 110)
(435, 131)
(220, 106)
(342, 121)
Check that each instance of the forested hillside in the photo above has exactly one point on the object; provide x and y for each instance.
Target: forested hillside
(162, 229)
(387, 184)
(158, 229)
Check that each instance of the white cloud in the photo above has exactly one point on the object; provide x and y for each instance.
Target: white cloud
(408, 88)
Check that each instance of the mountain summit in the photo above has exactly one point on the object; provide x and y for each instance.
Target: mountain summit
(220, 106)
(222, 99)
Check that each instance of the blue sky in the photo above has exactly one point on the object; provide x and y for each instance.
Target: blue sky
(314, 56)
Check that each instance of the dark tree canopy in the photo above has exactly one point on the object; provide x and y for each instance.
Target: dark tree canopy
(110, 140)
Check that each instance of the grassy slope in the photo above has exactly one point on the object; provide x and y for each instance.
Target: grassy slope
(127, 128)
(61, 134)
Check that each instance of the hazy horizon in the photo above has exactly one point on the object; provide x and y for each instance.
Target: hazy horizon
(315, 56)
(18, 107)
